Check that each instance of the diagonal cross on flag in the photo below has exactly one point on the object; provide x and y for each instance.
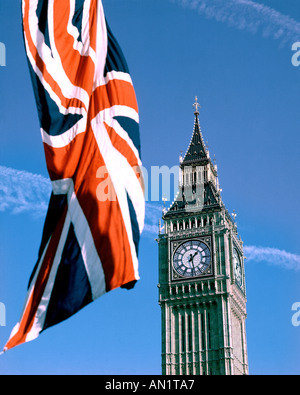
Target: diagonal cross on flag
(90, 130)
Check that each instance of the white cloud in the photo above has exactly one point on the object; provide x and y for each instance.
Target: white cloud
(272, 256)
(250, 16)
(21, 191)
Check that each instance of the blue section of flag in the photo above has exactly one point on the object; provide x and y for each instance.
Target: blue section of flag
(51, 119)
(71, 290)
(42, 15)
(132, 129)
(134, 225)
(77, 18)
(56, 207)
(115, 59)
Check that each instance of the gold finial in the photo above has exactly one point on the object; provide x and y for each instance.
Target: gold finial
(196, 105)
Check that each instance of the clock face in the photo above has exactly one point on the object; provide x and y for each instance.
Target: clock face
(237, 267)
(192, 258)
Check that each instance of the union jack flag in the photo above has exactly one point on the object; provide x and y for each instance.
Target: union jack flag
(89, 123)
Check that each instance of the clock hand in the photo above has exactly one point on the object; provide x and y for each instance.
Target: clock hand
(192, 256)
(192, 261)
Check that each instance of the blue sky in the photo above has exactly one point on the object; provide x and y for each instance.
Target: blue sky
(236, 57)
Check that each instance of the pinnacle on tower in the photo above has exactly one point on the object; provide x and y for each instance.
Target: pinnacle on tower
(197, 151)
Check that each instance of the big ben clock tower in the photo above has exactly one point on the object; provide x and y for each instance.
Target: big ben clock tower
(202, 290)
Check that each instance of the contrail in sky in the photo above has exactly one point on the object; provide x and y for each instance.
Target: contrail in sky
(249, 16)
(21, 191)
(273, 256)
(25, 192)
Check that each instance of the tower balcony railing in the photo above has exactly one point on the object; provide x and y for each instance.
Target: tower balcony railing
(193, 230)
(187, 292)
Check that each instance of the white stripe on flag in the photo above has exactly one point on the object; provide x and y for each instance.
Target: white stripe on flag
(41, 313)
(114, 163)
(85, 239)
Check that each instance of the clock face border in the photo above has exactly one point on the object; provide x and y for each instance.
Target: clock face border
(175, 276)
(237, 256)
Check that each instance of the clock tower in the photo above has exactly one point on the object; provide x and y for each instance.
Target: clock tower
(202, 290)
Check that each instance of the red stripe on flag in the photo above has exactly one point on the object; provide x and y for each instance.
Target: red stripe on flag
(104, 217)
(93, 24)
(123, 147)
(62, 162)
(115, 92)
(73, 102)
(79, 69)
